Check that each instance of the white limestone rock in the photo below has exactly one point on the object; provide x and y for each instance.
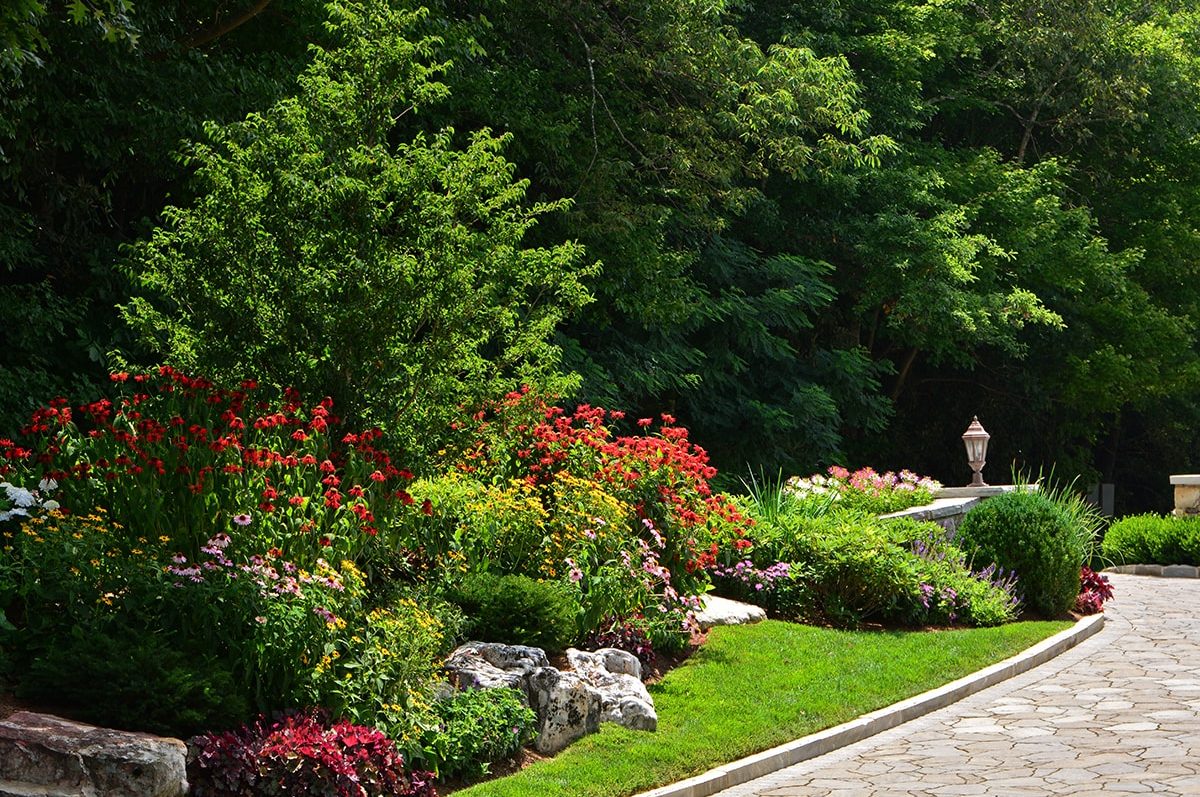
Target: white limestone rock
(488, 665)
(617, 676)
(566, 705)
(722, 611)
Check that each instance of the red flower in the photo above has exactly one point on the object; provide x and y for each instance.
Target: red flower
(427, 507)
(644, 422)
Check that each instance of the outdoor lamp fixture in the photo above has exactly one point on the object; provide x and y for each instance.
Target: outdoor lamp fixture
(976, 440)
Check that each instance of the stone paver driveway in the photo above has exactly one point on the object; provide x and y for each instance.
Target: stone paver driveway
(1119, 714)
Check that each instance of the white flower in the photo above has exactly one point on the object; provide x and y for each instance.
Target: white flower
(20, 496)
(50, 505)
(47, 485)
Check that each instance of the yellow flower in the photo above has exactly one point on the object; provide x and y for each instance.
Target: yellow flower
(164, 538)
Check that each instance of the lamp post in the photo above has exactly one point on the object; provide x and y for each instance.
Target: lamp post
(976, 440)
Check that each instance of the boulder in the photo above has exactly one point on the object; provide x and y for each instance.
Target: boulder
(567, 708)
(722, 611)
(44, 754)
(488, 665)
(617, 676)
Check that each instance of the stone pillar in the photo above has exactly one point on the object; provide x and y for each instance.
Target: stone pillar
(1187, 493)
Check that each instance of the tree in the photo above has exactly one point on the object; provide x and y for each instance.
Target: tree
(323, 254)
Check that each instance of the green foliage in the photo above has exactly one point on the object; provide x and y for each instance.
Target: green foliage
(849, 570)
(517, 610)
(824, 562)
(132, 678)
(70, 195)
(1153, 539)
(323, 254)
(1030, 535)
(478, 728)
(664, 124)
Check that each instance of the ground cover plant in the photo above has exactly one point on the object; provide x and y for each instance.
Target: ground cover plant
(802, 679)
(1153, 539)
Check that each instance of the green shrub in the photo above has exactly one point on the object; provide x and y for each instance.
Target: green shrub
(1153, 539)
(1031, 535)
(517, 610)
(132, 679)
(844, 568)
(477, 728)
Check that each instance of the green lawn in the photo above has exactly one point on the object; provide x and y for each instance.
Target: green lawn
(754, 687)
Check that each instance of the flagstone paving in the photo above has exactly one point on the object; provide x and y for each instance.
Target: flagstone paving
(1118, 714)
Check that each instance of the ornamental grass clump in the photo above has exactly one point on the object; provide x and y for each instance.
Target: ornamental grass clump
(1032, 536)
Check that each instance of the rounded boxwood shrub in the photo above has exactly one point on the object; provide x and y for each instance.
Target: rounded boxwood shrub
(1027, 533)
(517, 610)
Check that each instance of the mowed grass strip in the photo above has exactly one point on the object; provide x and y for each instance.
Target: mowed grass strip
(751, 688)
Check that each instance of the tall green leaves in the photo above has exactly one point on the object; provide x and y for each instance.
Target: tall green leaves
(322, 254)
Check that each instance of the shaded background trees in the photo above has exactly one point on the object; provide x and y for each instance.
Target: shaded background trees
(825, 230)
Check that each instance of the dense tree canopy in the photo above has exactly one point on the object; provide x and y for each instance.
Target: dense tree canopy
(823, 230)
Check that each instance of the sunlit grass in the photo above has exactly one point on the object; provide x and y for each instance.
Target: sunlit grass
(751, 688)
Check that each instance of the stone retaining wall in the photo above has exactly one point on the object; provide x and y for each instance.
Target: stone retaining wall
(946, 512)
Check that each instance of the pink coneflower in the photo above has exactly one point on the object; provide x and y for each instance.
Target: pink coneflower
(242, 519)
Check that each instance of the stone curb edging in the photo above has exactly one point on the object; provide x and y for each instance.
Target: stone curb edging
(1161, 571)
(826, 741)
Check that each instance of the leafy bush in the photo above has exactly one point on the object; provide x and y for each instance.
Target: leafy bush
(848, 568)
(1094, 591)
(863, 490)
(328, 251)
(1032, 536)
(1153, 539)
(301, 753)
(477, 728)
(121, 676)
(517, 610)
(830, 563)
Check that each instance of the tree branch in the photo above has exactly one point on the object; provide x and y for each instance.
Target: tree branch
(219, 29)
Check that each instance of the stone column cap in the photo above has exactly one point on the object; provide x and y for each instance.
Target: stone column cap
(1186, 479)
